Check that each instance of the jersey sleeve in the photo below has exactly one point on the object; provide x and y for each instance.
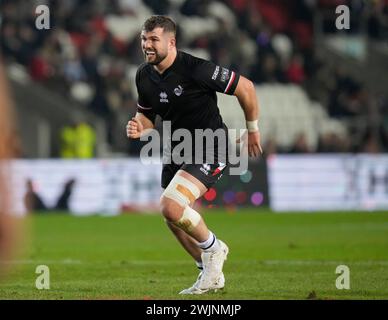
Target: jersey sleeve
(142, 105)
(214, 77)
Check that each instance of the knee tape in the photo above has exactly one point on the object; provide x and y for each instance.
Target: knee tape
(181, 190)
(189, 219)
(184, 192)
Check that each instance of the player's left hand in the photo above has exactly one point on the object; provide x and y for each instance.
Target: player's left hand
(254, 146)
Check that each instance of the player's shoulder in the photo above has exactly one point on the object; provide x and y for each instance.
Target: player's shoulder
(191, 66)
(189, 59)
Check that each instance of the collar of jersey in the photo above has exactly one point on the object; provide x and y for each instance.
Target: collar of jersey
(166, 72)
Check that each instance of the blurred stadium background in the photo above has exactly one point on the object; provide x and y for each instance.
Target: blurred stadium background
(323, 96)
(324, 113)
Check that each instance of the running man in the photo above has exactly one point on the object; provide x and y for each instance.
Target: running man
(181, 88)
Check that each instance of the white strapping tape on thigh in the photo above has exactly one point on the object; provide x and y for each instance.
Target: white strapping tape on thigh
(182, 190)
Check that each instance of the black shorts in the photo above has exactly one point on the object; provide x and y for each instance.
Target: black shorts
(208, 174)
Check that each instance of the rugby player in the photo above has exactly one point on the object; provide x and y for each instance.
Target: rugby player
(181, 88)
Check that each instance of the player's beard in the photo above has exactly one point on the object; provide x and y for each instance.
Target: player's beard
(156, 59)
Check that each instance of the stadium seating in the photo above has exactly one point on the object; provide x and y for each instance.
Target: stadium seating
(286, 112)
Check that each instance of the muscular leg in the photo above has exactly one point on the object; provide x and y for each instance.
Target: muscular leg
(173, 210)
(187, 241)
(192, 232)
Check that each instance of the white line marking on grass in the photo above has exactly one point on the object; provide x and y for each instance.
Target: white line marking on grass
(72, 261)
(30, 261)
(324, 262)
(147, 262)
(188, 262)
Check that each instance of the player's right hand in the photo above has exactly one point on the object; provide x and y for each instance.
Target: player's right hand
(134, 128)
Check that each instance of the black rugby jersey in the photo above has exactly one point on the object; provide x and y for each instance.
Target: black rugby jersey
(185, 93)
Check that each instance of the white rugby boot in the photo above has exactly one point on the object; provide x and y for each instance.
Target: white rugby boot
(213, 262)
(194, 289)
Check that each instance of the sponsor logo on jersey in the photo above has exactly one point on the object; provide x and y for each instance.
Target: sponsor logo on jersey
(215, 74)
(178, 91)
(205, 168)
(224, 75)
(163, 97)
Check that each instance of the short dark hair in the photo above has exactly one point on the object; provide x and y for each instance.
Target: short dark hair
(160, 22)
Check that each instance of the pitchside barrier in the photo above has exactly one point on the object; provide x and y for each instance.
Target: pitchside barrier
(328, 182)
(283, 182)
(104, 186)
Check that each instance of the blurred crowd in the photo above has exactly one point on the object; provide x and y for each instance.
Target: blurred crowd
(92, 50)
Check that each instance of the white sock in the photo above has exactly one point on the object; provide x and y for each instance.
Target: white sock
(199, 265)
(211, 244)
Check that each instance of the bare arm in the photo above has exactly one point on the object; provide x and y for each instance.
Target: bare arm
(246, 95)
(138, 126)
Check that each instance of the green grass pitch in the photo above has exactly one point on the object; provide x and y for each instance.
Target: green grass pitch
(272, 256)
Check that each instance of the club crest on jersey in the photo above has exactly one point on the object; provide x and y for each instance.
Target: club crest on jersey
(163, 97)
(178, 91)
